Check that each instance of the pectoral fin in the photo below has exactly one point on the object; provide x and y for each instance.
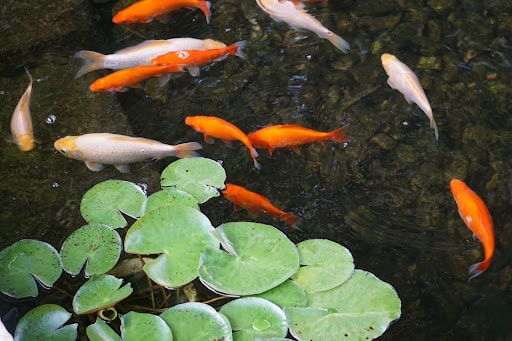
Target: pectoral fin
(123, 168)
(193, 70)
(94, 166)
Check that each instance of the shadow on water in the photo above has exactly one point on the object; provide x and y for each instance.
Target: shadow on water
(384, 194)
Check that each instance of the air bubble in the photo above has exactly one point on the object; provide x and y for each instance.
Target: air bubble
(50, 119)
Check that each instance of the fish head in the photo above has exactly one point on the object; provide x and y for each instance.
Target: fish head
(67, 146)
(193, 121)
(456, 187)
(387, 61)
(100, 85)
(229, 192)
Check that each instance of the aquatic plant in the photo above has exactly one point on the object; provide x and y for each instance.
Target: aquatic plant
(274, 289)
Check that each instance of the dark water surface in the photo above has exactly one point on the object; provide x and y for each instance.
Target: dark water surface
(384, 194)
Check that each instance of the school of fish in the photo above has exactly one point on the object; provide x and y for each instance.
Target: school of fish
(160, 58)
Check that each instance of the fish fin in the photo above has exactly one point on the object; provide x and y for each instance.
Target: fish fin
(187, 149)
(228, 143)
(337, 135)
(475, 237)
(164, 18)
(123, 168)
(205, 6)
(240, 46)
(194, 70)
(340, 43)
(94, 166)
(478, 268)
(390, 83)
(295, 149)
(434, 125)
(90, 61)
(270, 151)
(164, 79)
(208, 139)
(292, 220)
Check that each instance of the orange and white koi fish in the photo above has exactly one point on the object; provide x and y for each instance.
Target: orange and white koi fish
(403, 79)
(141, 54)
(21, 121)
(296, 17)
(215, 127)
(146, 10)
(200, 57)
(477, 218)
(291, 135)
(98, 149)
(257, 203)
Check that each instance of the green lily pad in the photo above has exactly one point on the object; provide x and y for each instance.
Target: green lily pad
(178, 233)
(25, 262)
(260, 258)
(100, 331)
(198, 176)
(197, 321)
(170, 196)
(254, 318)
(100, 292)
(104, 202)
(325, 265)
(95, 245)
(359, 309)
(286, 294)
(139, 326)
(46, 323)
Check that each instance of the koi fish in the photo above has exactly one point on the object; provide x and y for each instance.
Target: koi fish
(477, 218)
(122, 80)
(140, 54)
(291, 135)
(98, 149)
(21, 121)
(146, 10)
(215, 127)
(254, 202)
(297, 18)
(403, 79)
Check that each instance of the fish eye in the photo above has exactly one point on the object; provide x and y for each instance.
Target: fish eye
(63, 150)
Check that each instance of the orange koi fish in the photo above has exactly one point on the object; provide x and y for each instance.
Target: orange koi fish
(124, 79)
(215, 127)
(21, 121)
(477, 218)
(257, 203)
(291, 135)
(146, 10)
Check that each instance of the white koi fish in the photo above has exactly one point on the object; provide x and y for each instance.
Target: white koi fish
(297, 18)
(141, 54)
(98, 149)
(21, 121)
(403, 79)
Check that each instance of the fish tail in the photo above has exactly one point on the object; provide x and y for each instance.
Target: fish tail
(239, 49)
(340, 43)
(337, 135)
(186, 149)
(90, 61)
(204, 6)
(292, 220)
(434, 125)
(478, 268)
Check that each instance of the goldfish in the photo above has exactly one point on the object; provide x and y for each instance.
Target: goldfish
(21, 121)
(254, 202)
(291, 135)
(98, 149)
(140, 54)
(146, 10)
(403, 79)
(477, 218)
(296, 17)
(215, 127)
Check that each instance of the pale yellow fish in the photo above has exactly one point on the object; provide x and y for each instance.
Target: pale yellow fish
(403, 79)
(297, 18)
(141, 54)
(98, 149)
(21, 121)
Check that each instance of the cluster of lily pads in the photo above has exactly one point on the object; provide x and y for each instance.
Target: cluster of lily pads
(276, 289)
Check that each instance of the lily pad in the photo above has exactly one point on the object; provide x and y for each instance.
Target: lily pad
(100, 331)
(170, 196)
(359, 309)
(95, 245)
(139, 326)
(201, 177)
(104, 202)
(260, 257)
(325, 265)
(286, 294)
(178, 233)
(100, 292)
(197, 321)
(254, 318)
(46, 323)
(25, 262)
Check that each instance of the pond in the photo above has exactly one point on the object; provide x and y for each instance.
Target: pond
(384, 194)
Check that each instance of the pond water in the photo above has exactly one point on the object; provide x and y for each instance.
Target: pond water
(384, 194)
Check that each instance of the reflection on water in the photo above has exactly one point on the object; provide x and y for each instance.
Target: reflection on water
(385, 194)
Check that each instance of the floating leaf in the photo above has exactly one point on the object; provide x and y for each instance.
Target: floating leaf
(95, 245)
(286, 294)
(197, 321)
(359, 309)
(46, 323)
(25, 262)
(261, 258)
(100, 331)
(254, 318)
(198, 176)
(100, 292)
(104, 202)
(179, 233)
(139, 326)
(170, 196)
(325, 265)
